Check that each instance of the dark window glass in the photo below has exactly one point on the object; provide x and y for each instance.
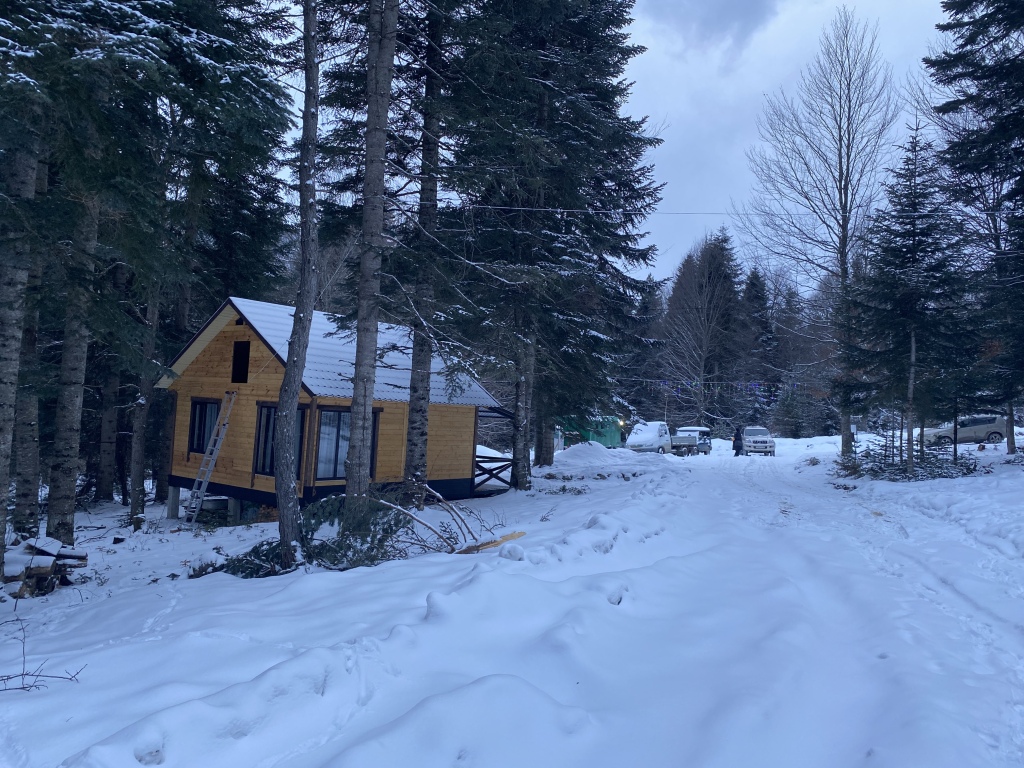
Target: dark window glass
(332, 449)
(202, 422)
(265, 421)
(240, 363)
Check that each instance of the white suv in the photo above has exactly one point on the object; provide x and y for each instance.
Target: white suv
(982, 428)
(757, 440)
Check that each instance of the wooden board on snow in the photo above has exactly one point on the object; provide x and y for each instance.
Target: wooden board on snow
(44, 544)
(474, 548)
(66, 553)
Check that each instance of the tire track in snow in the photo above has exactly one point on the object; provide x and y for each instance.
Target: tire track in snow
(991, 652)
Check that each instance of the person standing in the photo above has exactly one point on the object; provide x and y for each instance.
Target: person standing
(737, 442)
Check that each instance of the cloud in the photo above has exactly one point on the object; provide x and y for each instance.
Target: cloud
(710, 21)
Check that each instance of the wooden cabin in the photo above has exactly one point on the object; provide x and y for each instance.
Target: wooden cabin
(243, 348)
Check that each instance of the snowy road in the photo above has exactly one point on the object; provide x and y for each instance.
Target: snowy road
(700, 612)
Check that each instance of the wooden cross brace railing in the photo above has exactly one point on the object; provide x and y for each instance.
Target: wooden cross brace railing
(487, 468)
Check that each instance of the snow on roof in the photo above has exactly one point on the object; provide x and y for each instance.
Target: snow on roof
(330, 358)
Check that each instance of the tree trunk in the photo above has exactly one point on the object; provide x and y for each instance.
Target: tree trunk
(159, 455)
(544, 439)
(166, 448)
(525, 365)
(956, 430)
(845, 336)
(26, 430)
(422, 347)
(419, 404)
(910, 403)
(109, 413)
(123, 461)
(140, 414)
(17, 183)
(1011, 438)
(285, 460)
(381, 29)
(68, 429)
(108, 437)
(13, 282)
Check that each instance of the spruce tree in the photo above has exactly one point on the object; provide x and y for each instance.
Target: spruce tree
(907, 308)
(702, 324)
(758, 351)
(985, 69)
(983, 73)
(554, 187)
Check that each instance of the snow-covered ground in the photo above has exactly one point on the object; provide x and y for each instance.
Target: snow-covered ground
(658, 611)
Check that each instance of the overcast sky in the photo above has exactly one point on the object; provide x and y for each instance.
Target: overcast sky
(702, 82)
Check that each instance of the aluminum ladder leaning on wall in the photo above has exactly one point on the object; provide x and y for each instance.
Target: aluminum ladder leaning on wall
(198, 494)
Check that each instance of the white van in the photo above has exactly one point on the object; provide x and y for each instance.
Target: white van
(650, 437)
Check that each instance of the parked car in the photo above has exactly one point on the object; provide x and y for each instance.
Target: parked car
(648, 437)
(757, 440)
(690, 440)
(980, 428)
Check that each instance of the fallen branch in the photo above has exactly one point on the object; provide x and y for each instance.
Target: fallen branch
(30, 679)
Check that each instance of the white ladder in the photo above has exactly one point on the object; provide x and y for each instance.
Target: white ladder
(195, 498)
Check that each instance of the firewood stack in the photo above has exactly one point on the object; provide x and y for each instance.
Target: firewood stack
(38, 566)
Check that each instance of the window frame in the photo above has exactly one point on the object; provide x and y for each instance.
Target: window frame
(192, 446)
(301, 410)
(339, 461)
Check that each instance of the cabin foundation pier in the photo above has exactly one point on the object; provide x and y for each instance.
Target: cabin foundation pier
(173, 502)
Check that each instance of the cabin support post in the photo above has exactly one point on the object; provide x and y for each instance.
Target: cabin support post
(234, 511)
(173, 502)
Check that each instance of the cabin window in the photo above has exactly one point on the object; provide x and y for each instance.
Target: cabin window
(201, 424)
(240, 363)
(263, 462)
(335, 429)
(332, 449)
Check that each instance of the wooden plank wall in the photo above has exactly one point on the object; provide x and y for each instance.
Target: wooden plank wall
(209, 376)
(450, 448)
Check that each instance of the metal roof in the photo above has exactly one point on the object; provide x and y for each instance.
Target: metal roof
(330, 359)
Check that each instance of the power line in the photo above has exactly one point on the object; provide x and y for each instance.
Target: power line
(626, 212)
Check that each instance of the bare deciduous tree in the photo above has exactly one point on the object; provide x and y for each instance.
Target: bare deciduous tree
(819, 164)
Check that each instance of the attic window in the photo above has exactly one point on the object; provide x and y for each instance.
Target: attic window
(240, 363)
